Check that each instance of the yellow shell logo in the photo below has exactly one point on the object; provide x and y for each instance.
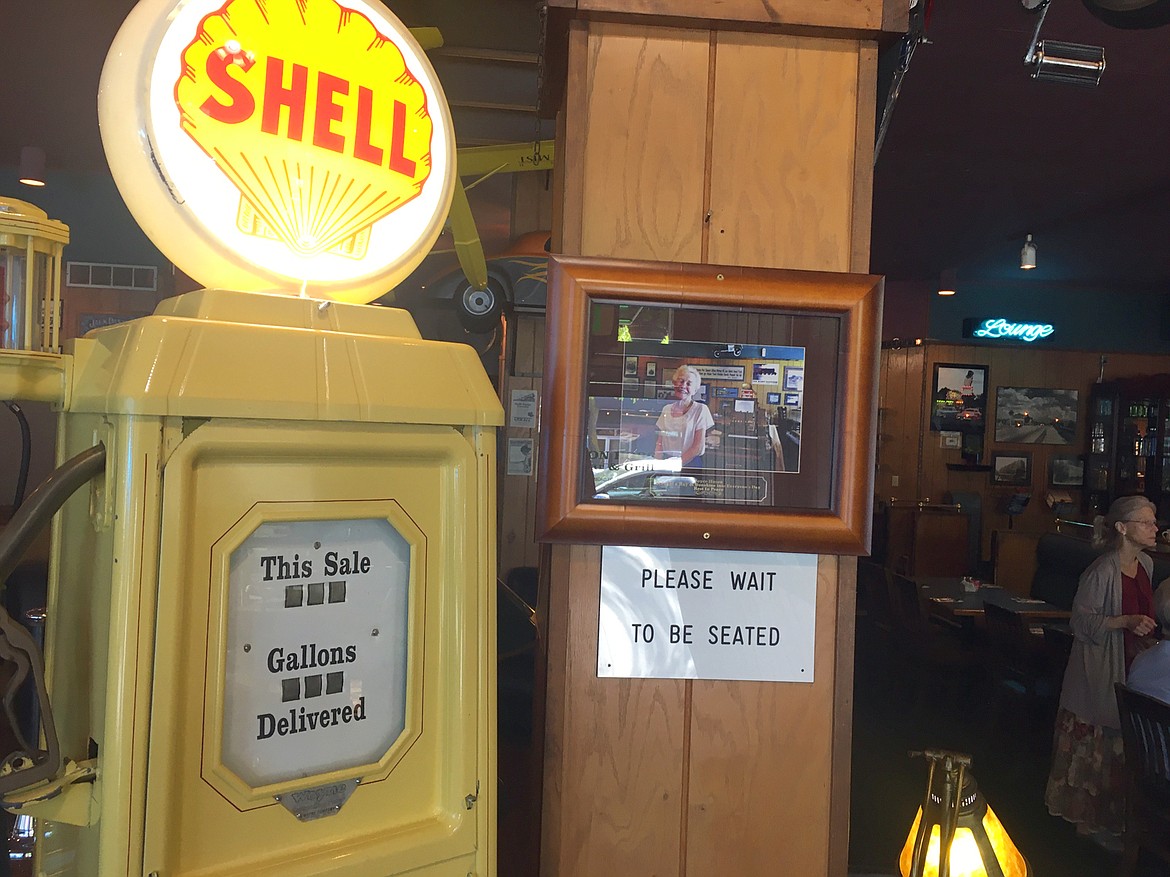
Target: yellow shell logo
(312, 114)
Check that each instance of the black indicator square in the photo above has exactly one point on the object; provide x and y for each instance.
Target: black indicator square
(337, 592)
(316, 593)
(294, 595)
(313, 686)
(290, 689)
(334, 683)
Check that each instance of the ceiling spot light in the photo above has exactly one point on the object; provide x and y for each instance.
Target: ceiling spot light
(1028, 254)
(946, 282)
(32, 166)
(1055, 61)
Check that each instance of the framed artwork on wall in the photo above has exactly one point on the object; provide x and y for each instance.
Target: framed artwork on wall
(1014, 469)
(1034, 415)
(959, 399)
(1066, 470)
(710, 469)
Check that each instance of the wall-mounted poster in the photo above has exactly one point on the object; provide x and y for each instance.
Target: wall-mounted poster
(1066, 470)
(1035, 416)
(794, 378)
(1013, 469)
(959, 401)
(765, 373)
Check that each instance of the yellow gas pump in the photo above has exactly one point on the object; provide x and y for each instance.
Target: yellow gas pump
(271, 635)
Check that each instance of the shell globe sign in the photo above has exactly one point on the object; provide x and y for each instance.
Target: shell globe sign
(302, 146)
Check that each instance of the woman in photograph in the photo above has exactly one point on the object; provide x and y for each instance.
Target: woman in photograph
(683, 424)
(1112, 620)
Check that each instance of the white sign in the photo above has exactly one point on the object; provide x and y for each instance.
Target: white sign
(520, 456)
(523, 408)
(680, 613)
(720, 372)
(316, 648)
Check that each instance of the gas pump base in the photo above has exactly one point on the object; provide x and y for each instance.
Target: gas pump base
(70, 797)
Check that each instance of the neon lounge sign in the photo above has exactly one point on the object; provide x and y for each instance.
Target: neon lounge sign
(997, 327)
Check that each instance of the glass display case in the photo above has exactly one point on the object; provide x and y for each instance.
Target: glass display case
(1128, 442)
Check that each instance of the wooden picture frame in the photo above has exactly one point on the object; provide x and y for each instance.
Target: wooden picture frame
(1066, 470)
(958, 401)
(817, 495)
(1012, 468)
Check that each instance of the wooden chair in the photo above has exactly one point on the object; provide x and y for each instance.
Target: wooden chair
(1016, 659)
(937, 653)
(1145, 730)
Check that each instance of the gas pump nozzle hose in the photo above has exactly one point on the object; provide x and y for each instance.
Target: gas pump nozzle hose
(30, 765)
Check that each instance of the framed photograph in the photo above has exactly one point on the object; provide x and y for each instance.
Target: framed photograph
(959, 400)
(1035, 416)
(1012, 468)
(688, 470)
(651, 370)
(631, 367)
(1066, 470)
(792, 400)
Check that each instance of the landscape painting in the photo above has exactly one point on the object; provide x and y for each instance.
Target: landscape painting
(1035, 416)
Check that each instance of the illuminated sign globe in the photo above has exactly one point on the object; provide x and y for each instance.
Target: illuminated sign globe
(303, 146)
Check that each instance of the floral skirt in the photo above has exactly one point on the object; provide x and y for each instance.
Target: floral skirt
(1087, 782)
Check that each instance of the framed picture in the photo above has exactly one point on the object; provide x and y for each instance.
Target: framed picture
(959, 400)
(1031, 415)
(692, 471)
(1014, 469)
(773, 398)
(792, 400)
(651, 370)
(631, 367)
(1066, 470)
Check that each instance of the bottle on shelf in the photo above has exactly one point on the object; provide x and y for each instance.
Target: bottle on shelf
(1097, 445)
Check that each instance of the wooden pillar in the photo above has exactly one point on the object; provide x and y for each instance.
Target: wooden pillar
(742, 141)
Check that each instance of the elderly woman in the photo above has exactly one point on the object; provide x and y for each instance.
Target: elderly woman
(683, 424)
(1111, 620)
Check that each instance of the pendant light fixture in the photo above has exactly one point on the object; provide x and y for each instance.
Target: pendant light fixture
(32, 166)
(1028, 254)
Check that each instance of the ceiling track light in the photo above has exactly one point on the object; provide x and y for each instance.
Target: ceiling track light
(32, 166)
(946, 282)
(1056, 61)
(1028, 254)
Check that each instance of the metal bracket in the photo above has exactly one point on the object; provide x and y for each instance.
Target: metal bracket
(70, 797)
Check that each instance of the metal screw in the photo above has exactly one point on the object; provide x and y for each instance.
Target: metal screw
(706, 535)
(374, 632)
(247, 647)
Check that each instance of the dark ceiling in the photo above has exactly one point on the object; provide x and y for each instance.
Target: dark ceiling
(976, 156)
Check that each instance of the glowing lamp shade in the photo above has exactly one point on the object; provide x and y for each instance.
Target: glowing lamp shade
(955, 833)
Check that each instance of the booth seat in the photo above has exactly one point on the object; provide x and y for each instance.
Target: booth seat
(1060, 560)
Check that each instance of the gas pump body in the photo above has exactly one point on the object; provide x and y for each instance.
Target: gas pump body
(272, 621)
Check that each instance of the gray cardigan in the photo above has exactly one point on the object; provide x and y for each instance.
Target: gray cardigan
(1098, 653)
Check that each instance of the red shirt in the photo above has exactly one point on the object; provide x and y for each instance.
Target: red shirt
(1137, 598)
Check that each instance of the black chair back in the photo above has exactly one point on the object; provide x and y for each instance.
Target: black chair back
(1145, 731)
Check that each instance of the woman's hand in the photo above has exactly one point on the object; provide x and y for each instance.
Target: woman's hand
(1140, 625)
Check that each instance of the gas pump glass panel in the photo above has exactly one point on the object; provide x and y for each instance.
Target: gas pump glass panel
(709, 405)
(317, 639)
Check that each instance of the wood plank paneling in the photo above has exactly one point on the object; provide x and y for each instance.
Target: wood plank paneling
(645, 146)
(906, 427)
(859, 15)
(782, 192)
(766, 132)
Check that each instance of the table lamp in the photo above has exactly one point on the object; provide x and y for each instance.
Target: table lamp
(955, 833)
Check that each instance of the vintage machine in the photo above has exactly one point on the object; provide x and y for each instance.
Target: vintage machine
(270, 639)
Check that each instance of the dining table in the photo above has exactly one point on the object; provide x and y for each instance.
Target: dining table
(957, 598)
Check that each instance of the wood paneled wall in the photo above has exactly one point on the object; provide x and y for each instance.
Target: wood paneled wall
(719, 147)
(911, 454)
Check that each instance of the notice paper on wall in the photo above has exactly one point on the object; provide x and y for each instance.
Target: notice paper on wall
(681, 613)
